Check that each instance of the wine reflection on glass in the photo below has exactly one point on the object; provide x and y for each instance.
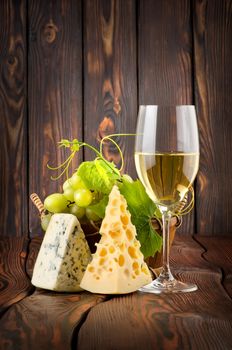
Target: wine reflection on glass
(167, 161)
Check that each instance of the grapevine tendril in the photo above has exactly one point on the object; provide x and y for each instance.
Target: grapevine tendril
(118, 148)
(65, 170)
(186, 210)
(190, 206)
(75, 146)
(109, 137)
(61, 165)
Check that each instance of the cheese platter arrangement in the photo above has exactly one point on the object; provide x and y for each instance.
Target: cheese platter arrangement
(102, 233)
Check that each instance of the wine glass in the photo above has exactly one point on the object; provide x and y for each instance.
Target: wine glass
(167, 160)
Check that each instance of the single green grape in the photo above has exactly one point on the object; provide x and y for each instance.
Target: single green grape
(77, 211)
(91, 215)
(83, 197)
(76, 182)
(69, 194)
(67, 184)
(56, 203)
(45, 219)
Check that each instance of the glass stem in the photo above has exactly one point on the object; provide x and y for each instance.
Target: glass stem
(166, 273)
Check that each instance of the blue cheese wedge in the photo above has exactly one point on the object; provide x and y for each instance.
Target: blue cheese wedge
(63, 256)
(118, 265)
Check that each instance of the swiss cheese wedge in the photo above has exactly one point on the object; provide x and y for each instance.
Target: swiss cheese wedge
(118, 265)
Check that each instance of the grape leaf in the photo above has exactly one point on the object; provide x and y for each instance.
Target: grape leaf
(137, 198)
(142, 209)
(100, 207)
(150, 240)
(98, 175)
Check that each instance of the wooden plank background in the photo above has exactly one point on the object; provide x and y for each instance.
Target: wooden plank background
(72, 68)
(54, 90)
(13, 118)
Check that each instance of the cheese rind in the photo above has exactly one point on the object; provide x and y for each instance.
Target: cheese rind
(118, 265)
(63, 256)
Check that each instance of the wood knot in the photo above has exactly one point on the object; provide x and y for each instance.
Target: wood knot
(23, 255)
(106, 127)
(50, 32)
(117, 106)
(12, 63)
(110, 151)
(11, 60)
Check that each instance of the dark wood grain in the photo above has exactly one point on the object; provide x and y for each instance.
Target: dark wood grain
(55, 90)
(186, 254)
(200, 319)
(14, 282)
(13, 118)
(218, 251)
(110, 93)
(45, 320)
(213, 72)
(165, 59)
(164, 52)
(33, 250)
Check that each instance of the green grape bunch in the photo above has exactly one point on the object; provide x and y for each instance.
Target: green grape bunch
(74, 200)
(77, 196)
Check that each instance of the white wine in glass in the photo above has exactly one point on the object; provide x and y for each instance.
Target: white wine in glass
(167, 161)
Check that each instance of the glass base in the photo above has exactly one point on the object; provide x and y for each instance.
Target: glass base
(173, 286)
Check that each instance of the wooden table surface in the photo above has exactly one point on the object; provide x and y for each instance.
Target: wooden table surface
(36, 319)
